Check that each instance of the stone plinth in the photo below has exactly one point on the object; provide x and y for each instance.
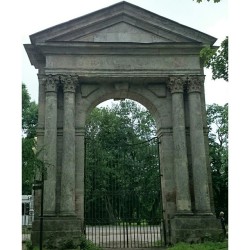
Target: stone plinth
(194, 228)
(56, 227)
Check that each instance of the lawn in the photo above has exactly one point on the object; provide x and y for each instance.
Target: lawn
(201, 246)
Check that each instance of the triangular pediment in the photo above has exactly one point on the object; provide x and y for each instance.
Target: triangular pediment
(122, 32)
(122, 22)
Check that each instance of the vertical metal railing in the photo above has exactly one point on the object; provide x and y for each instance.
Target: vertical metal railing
(123, 205)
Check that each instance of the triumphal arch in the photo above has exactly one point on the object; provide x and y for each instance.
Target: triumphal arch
(123, 51)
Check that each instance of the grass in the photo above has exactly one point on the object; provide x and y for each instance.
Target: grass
(201, 246)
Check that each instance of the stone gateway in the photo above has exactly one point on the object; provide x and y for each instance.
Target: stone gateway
(123, 51)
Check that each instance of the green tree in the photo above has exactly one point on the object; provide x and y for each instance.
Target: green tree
(217, 60)
(215, 1)
(29, 114)
(218, 151)
(114, 165)
(29, 122)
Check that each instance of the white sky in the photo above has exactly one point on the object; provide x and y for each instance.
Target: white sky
(19, 19)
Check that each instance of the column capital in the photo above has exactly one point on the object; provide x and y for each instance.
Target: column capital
(194, 83)
(42, 78)
(69, 82)
(51, 83)
(176, 83)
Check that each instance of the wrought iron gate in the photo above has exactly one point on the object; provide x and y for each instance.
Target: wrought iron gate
(123, 207)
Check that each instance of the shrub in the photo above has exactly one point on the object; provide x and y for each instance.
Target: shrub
(28, 245)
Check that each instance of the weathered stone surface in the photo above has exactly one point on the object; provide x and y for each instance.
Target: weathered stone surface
(199, 167)
(122, 32)
(50, 150)
(195, 228)
(56, 227)
(123, 51)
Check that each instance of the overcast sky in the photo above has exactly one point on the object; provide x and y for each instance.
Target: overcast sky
(207, 17)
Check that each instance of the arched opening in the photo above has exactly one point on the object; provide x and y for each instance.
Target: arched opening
(106, 97)
(123, 205)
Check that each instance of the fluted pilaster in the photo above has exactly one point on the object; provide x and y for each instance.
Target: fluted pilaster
(200, 176)
(183, 201)
(50, 147)
(67, 204)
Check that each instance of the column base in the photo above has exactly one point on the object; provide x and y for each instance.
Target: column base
(194, 228)
(56, 230)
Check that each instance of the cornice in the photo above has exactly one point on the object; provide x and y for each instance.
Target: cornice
(113, 48)
(37, 58)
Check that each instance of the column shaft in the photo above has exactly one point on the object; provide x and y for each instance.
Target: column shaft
(183, 201)
(166, 151)
(50, 136)
(80, 151)
(67, 205)
(200, 177)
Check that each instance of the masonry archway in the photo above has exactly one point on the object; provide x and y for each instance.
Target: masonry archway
(123, 51)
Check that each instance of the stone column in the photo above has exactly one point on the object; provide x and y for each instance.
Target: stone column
(200, 177)
(80, 152)
(166, 151)
(67, 204)
(50, 136)
(183, 201)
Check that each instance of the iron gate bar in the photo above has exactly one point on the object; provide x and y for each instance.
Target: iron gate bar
(115, 213)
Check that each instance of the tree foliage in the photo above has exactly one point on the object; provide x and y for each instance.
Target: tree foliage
(215, 1)
(29, 158)
(218, 151)
(217, 60)
(28, 164)
(29, 114)
(119, 163)
(127, 121)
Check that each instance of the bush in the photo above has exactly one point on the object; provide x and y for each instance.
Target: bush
(87, 244)
(28, 245)
(67, 243)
